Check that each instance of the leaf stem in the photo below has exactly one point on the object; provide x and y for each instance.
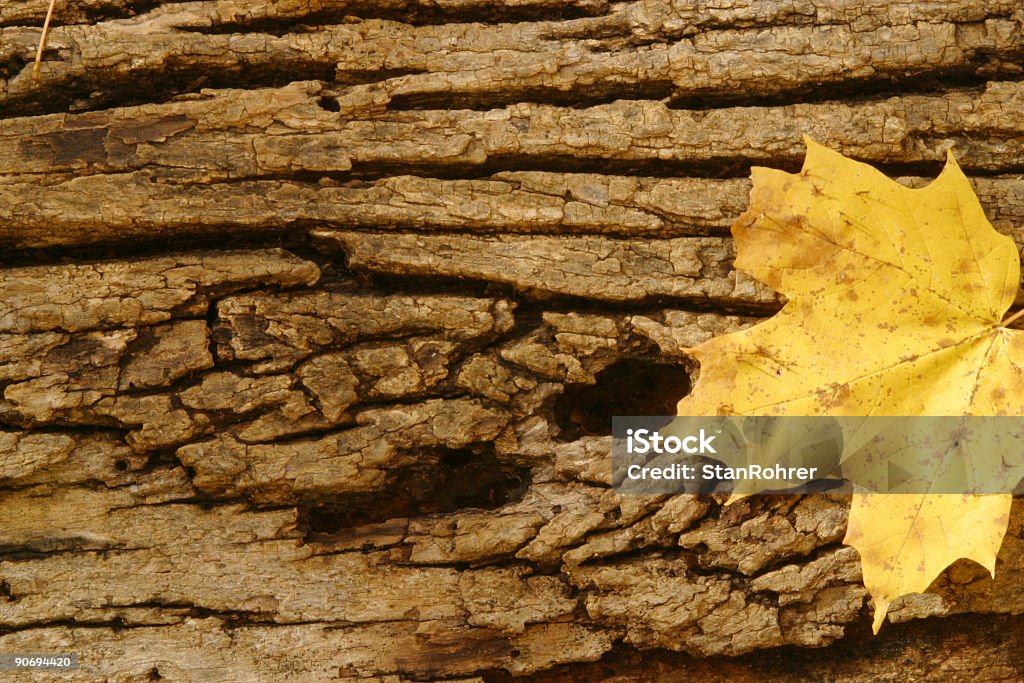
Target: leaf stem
(42, 40)
(1012, 318)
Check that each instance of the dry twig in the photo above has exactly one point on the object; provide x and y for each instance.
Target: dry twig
(42, 40)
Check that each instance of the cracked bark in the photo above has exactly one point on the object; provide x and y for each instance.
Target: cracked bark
(314, 315)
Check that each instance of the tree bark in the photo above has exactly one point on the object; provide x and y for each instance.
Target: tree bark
(314, 315)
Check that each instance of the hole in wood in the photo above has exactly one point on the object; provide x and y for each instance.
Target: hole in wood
(628, 387)
(444, 481)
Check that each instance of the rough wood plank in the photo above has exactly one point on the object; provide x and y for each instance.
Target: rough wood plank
(382, 454)
(589, 267)
(526, 202)
(282, 132)
(707, 67)
(632, 53)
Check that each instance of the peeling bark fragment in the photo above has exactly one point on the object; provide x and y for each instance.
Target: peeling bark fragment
(375, 372)
(803, 624)
(71, 377)
(280, 330)
(679, 331)
(252, 409)
(357, 459)
(471, 538)
(531, 600)
(800, 583)
(166, 353)
(235, 393)
(50, 461)
(590, 267)
(486, 376)
(768, 537)
(24, 454)
(131, 293)
(332, 381)
(155, 421)
(296, 414)
(544, 361)
(549, 519)
(657, 530)
(587, 459)
(662, 605)
(569, 358)
(21, 355)
(395, 370)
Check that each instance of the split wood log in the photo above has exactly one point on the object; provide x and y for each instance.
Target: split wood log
(314, 315)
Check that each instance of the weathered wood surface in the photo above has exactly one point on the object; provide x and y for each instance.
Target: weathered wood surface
(313, 316)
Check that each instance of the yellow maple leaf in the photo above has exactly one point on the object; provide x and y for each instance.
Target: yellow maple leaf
(896, 298)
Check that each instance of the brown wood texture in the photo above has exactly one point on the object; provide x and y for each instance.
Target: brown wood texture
(314, 315)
